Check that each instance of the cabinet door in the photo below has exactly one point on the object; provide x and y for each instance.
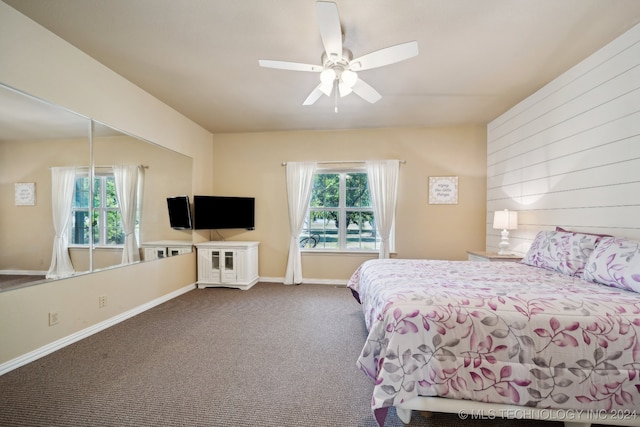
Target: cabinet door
(154, 253)
(208, 266)
(149, 253)
(228, 270)
(174, 251)
(215, 266)
(222, 266)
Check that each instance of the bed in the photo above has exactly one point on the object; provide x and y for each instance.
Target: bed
(554, 337)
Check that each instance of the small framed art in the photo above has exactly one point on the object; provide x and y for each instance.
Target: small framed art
(443, 190)
(25, 193)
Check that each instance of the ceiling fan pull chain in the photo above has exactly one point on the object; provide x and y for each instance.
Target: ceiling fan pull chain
(335, 95)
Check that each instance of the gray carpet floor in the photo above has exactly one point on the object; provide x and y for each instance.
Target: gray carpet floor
(274, 355)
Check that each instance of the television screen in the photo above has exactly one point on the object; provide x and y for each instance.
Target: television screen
(179, 212)
(218, 212)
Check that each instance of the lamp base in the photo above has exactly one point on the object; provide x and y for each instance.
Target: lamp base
(504, 243)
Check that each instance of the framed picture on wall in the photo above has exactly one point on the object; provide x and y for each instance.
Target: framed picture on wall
(443, 190)
(25, 193)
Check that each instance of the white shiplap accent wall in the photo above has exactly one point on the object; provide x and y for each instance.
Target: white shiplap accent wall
(569, 155)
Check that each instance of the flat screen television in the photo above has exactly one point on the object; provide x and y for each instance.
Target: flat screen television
(179, 212)
(218, 212)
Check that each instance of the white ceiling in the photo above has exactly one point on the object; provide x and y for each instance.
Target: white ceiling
(477, 57)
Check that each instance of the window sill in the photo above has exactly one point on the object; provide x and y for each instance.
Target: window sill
(306, 252)
(96, 247)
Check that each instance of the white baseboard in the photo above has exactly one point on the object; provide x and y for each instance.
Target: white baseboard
(70, 339)
(333, 282)
(24, 272)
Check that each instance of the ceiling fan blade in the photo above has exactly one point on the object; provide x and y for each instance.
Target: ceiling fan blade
(366, 92)
(292, 66)
(326, 88)
(386, 56)
(313, 96)
(330, 30)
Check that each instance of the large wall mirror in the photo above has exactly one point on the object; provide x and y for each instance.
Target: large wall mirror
(37, 138)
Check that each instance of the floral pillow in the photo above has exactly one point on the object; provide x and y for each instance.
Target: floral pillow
(565, 252)
(590, 234)
(615, 262)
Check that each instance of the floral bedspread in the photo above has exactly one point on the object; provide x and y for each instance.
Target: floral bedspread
(496, 332)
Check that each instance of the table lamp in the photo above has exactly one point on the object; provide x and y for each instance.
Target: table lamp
(505, 220)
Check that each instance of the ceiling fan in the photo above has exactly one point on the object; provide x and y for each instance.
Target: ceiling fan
(339, 70)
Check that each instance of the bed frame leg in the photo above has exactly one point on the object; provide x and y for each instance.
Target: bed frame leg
(404, 415)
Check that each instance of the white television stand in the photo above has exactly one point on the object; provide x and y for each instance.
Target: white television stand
(229, 264)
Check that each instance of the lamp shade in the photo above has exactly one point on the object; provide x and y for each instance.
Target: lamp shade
(505, 220)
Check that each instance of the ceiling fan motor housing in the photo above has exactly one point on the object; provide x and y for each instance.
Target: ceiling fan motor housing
(335, 62)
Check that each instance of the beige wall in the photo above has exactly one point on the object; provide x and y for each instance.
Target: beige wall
(251, 165)
(24, 312)
(38, 62)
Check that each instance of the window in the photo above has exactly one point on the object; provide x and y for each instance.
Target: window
(340, 214)
(107, 226)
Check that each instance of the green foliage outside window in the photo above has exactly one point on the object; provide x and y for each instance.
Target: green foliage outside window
(114, 232)
(340, 197)
(106, 221)
(326, 194)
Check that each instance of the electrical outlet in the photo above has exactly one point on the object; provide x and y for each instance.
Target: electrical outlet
(102, 301)
(53, 318)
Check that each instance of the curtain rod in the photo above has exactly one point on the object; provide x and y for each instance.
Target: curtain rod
(95, 166)
(329, 162)
(109, 166)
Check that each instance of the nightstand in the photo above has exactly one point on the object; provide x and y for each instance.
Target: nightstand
(491, 257)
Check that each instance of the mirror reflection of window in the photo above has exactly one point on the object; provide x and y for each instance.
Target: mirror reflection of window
(106, 219)
(49, 137)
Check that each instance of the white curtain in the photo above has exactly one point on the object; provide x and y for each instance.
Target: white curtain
(140, 198)
(126, 183)
(63, 181)
(299, 185)
(383, 186)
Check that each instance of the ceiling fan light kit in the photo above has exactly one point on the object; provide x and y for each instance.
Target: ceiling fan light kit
(339, 71)
(349, 78)
(327, 76)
